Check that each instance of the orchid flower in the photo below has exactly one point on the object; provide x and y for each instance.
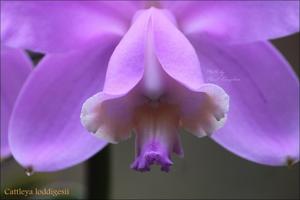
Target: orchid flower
(153, 69)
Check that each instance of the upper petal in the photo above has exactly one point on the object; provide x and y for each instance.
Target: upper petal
(126, 65)
(58, 26)
(15, 68)
(174, 51)
(238, 21)
(263, 121)
(45, 132)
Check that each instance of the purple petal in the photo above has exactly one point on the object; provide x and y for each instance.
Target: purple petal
(174, 52)
(238, 21)
(15, 68)
(58, 26)
(263, 121)
(126, 65)
(45, 131)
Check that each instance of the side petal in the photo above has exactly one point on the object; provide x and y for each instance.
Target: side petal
(238, 21)
(57, 26)
(15, 68)
(263, 120)
(45, 132)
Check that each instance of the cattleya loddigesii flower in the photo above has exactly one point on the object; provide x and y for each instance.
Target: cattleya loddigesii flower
(151, 69)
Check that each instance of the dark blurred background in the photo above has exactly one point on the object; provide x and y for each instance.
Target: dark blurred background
(207, 172)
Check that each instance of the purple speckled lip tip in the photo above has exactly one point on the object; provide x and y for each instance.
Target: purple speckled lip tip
(143, 163)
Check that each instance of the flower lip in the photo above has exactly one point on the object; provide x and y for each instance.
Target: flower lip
(152, 157)
(156, 128)
(156, 123)
(162, 92)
